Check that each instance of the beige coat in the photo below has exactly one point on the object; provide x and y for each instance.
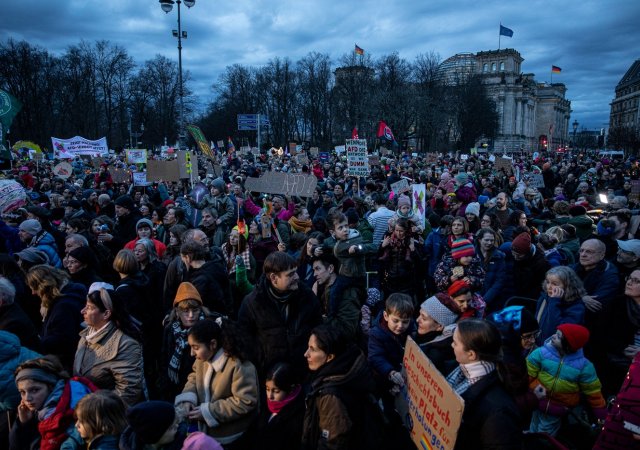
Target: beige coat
(226, 391)
(112, 360)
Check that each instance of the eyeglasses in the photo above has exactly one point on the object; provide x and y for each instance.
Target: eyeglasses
(632, 280)
(530, 336)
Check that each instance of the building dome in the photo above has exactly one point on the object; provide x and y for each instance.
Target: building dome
(457, 68)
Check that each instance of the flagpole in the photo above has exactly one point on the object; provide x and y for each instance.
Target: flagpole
(499, 35)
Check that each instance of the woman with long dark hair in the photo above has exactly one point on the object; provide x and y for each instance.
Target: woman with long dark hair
(398, 258)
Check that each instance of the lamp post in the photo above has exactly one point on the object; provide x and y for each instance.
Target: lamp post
(167, 6)
(575, 129)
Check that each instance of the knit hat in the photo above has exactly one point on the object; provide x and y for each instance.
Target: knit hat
(403, 200)
(31, 226)
(348, 203)
(150, 420)
(461, 248)
(352, 216)
(39, 211)
(246, 231)
(200, 441)
(456, 287)
(84, 255)
(125, 201)
(438, 311)
(73, 203)
(473, 208)
(87, 193)
(33, 256)
(218, 183)
(577, 210)
(604, 230)
(483, 199)
(168, 202)
(187, 291)
(521, 244)
(144, 222)
(462, 178)
(575, 335)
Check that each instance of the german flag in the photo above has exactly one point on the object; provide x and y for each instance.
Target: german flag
(556, 69)
(359, 51)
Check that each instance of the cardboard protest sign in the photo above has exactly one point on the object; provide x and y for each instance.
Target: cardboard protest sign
(313, 151)
(140, 179)
(120, 175)
(293, 148)
(62, 170)
(400, 186)
(536, 180)
(136, 156)
(283, 183)
(187, 164)
(504, 163)
(158, 170)
(357, 160)
(431, 409)
(419, 196)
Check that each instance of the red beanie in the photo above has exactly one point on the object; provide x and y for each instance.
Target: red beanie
(456, 287)
(521, 244)
(576, 335)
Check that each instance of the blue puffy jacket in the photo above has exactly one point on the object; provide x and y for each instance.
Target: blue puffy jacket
(495, 276)
(11, 355)
(47, 244)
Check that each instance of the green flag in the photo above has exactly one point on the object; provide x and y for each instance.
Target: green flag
(9, 107)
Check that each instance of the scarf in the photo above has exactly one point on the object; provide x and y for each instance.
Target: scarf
(276, 406)
(300, 226)
(181, 343)
(466, 375)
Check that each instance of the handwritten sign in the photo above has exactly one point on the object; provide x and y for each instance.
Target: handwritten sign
(293, 148)
(357, 160)
(536, 180)
(283, 183)
(12, 196)
(135, 156)
(158, 170)
(62, 170)
(140, 179)
(433, 409)
(400, 186)
(504, 163)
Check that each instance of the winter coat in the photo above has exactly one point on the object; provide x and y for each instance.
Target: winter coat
(565, 377)
(279, 328)
(494, 279)
(86, 277)
(212, 283)
(133, 289)
(11, 355)
(45, 241)
(473, 271)
(347, 314)
(436, 345)
(553, 311)
(434, 247)
(124, 231)
(61, 326)
(282, 431)
(352, 265)
(103, 442)
(524, 277)
(226, 391)
(337, 392)
(112, 360)
(602, 281)
(490, 419)
(386, 349)
(222, 204)
(14, 320)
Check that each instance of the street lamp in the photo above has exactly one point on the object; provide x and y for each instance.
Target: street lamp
(134, 134)
(575, 129)
(167, 7)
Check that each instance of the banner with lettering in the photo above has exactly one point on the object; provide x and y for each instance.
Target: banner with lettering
(357, 159)
(70, 148)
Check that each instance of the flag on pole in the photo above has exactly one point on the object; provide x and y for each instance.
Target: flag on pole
(504, 31)
(9, 107)
(556, 69)
(354, 133)
(384, 132)
(198, 136)
(230, 147)
(359, 51)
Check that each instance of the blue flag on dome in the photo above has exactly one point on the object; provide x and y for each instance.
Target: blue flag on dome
(504, 31)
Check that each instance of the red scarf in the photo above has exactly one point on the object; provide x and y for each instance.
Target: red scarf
(276, 406)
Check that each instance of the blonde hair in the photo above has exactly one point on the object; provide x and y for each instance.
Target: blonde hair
(47, 282)
(101, 413)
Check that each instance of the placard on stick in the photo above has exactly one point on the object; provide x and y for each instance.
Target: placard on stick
(283, 183)
(400, 186)
(504, 163)
(183, 170)
(158, 170)
(357, 160)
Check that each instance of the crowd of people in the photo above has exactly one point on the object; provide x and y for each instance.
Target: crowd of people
(154, 317)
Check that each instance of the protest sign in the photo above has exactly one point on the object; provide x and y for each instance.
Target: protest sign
(464, 157)
(339, 149)
(432, 158)
(492, 158)
(298, 184)
(536, 180)
(302, 159)
(245, 150)
(313, 151)
(12, 196)
(384, 151)
(70, 148)
(400, 186)
(431, 409)
(255, 151)
(187, 164)
(504, 163)
(136, 156)
(293, 148)
(62, 170)
(221, 145)
(120, 176)
(419, 194)
(324, 156)
(140, 179)
(158, 170)
(357, 160)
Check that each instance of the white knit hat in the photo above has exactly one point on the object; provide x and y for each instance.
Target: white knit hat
(438, 311)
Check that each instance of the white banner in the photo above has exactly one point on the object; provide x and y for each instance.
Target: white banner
(357, 159)
(136, 156)
(140, 179)
(70, 148)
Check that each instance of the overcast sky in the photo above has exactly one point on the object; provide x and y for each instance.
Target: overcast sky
(594, 42)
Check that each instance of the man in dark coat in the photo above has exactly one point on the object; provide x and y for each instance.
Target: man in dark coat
(279, 314)
(127, 216)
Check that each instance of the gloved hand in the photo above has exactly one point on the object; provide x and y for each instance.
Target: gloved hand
(396, 378)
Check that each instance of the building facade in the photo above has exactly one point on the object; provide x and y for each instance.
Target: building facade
(533, 116)
(624, 107)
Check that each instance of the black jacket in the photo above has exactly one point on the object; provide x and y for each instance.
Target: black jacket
(14, 320)
(276, 338)
(212, 283)
(490, 419)
(133, 289)
(284, 430)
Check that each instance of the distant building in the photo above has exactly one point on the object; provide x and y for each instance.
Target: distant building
(624, 107)
(533, 116)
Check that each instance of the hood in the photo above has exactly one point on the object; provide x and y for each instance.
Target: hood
(75, 292)
(353, 234)
(10, 344)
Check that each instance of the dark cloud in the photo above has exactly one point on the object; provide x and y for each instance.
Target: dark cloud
(593, 41)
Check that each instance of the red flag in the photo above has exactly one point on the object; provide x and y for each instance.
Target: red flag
(384, 132)
(354, 133)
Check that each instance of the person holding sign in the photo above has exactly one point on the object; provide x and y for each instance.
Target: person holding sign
(490, 418)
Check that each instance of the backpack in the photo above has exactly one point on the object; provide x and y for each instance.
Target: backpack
(53, 429)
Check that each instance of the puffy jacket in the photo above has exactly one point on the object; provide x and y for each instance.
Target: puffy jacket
(553, 311)
(385, 348)
(494, 279)
(434, 247)
(11, 355)
(44, 241)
